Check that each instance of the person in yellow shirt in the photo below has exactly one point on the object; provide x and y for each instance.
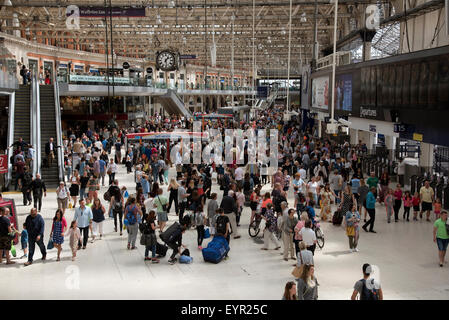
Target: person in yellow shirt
(426, 195)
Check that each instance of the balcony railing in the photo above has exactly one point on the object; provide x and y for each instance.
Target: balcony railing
(140, 82)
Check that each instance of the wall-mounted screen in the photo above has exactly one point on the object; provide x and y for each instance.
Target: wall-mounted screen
(343, 92)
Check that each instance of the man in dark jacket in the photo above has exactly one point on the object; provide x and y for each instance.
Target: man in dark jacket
(35, 226)
(229, 206)
(26, 184)
(175, 241)
(38, 188)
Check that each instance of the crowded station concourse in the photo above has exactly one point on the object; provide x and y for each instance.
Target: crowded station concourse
(314, 176)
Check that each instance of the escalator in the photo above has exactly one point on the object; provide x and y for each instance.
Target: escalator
(22, 119)
(48, 126)
(173, 104)
(22, 114)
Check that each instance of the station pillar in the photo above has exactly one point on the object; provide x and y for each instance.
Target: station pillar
(426, 156)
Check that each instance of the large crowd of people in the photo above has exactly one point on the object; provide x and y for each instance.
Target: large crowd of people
(318, 174)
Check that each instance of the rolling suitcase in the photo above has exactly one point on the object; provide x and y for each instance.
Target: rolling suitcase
(337, 218)
(216, 250)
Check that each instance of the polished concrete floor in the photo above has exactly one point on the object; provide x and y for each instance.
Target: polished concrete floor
(404, 253)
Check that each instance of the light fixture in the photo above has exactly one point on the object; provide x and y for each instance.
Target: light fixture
(171, 4)
(303, 17)
(7, 3)
(158, 19)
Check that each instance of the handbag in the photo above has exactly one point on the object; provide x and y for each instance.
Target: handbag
(350, 231)
(297, 271)
(206, 233)
(50, 244)
(164, 206)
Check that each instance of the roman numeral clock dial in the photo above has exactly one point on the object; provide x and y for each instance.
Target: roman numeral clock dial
(166, 60)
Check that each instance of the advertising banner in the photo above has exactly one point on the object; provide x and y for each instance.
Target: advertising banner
(343, 92)
(101, 79)
(320, 93)
(4, 163)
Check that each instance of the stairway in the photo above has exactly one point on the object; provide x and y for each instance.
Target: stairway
(173, 104)
(48, 130)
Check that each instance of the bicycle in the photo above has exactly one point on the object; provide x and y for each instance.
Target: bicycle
(254, 227)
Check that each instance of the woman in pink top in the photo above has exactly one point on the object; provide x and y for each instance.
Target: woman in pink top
(397, 201)
(301, 223)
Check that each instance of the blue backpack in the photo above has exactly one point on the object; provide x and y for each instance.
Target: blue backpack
(185, 259)
(131, 217)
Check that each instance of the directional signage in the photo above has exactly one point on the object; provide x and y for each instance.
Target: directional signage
(187, 56)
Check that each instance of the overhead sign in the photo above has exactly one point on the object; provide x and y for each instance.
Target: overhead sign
(372, 128)
(101, 12)
(417, 137)
(187, 56)
(400, 127)
(81, 78)
(149, 70)
(4, 163)
(125, 65)
(366, 112)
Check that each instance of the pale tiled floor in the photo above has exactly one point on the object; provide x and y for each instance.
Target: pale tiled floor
(404, 253)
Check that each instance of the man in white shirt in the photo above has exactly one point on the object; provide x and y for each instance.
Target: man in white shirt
(309, 236)
(302, 173)
(239, 173)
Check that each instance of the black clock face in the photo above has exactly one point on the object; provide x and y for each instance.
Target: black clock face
(166, 61)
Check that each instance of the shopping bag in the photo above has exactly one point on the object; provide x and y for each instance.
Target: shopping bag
(126, 195)
(297, 272)
(70, 205)
(13, 249)
(206, 233)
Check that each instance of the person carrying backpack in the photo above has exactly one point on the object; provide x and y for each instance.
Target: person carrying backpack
(132, 214)
(223, 226)
(366, 288)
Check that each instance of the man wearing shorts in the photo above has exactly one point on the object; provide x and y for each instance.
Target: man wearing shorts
(426, 194)
(440, 236)
(162, 216)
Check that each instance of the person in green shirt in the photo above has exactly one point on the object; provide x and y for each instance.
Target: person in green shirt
(372, 182)
(440, 236)
(162, 216)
